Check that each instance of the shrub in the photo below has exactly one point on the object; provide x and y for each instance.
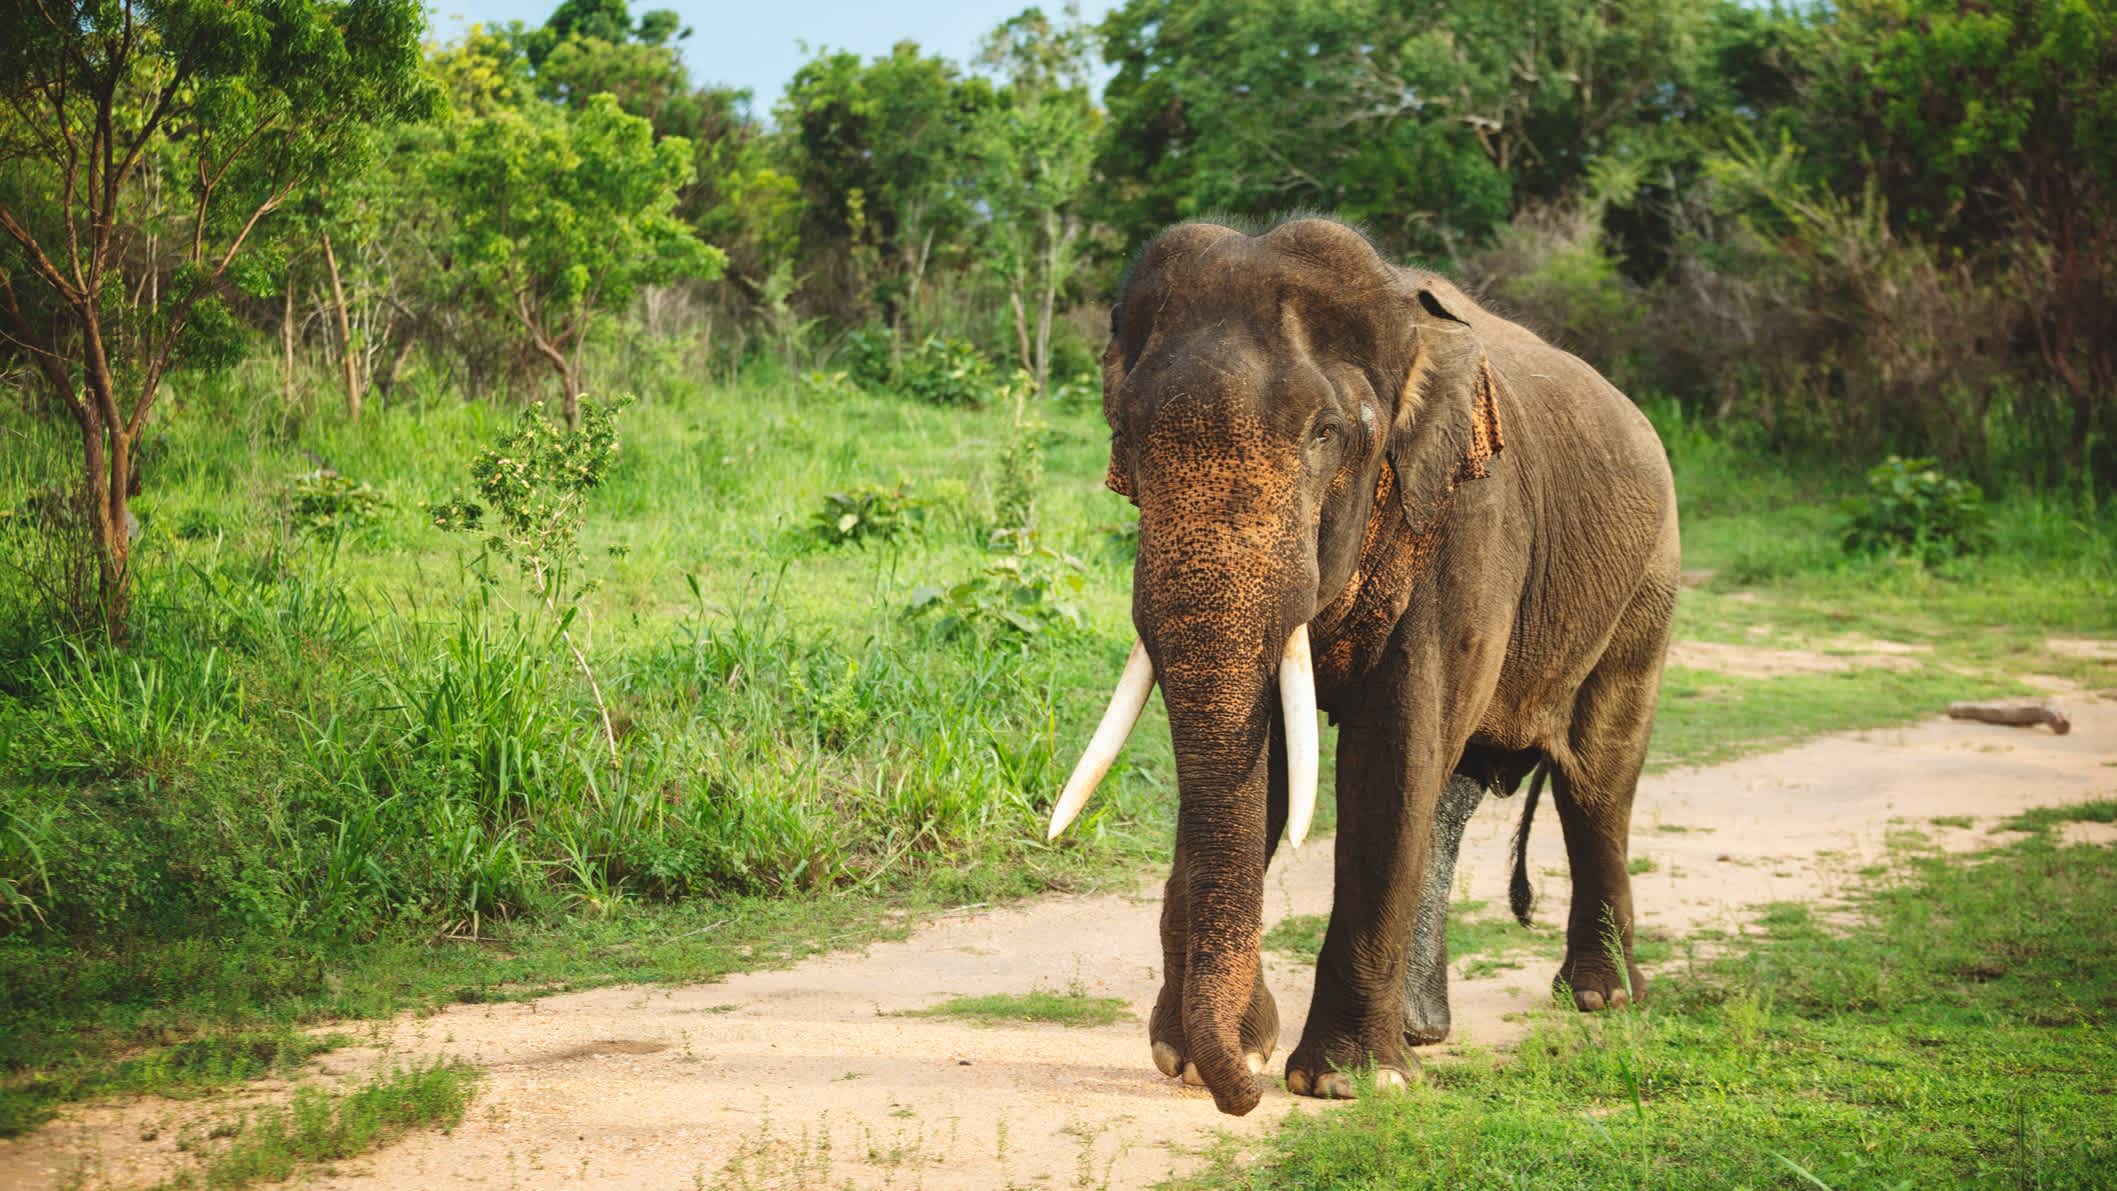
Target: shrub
(1914, 510)
(817, 385)
(868, 513)
(326, 504)
(947, 371)
(866, 356)
(1024, 594)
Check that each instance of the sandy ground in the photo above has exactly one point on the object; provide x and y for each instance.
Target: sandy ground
(812, 1076)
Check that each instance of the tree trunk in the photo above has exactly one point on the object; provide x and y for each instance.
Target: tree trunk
(395, 372)
(345, 333)
(106, 480)
(286, 342)
(1048, 300)
(570, 393)
(1021, 326)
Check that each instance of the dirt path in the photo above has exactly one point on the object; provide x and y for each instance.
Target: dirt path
(810, 1076)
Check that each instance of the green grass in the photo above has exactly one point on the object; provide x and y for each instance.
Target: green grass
(1071, 1008)
(341, 777)
(320, 1127)
(1959, 1035)
(1471, 932)
(2043, 818)
(1707, 717)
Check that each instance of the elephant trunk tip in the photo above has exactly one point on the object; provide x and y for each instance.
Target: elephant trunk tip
(1240, 1099)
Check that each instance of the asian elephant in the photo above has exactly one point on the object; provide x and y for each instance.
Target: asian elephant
(1360, 491)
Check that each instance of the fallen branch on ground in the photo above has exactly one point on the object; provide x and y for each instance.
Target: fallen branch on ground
(2015, 712)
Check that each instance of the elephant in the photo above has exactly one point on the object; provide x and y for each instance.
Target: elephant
(1361, 492)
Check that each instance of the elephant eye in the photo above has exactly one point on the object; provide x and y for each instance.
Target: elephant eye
(1325, 434)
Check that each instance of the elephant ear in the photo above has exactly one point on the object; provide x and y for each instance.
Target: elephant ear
(1447, 425)
(1118, 478)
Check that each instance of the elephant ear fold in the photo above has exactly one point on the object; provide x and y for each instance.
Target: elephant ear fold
(1118, 477)
(1447, 425)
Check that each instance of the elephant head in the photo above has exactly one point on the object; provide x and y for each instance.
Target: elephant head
(1273, 400)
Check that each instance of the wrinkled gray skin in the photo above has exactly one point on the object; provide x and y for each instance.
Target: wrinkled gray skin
(1479, 533)
(1426, 967)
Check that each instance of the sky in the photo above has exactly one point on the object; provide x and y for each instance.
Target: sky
(757, 43)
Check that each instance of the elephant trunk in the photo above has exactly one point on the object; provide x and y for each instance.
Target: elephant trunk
(1222, 591)
(1220, 725)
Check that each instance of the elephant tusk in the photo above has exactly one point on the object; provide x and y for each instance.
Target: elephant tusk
(1297, 702)
(1126, 703)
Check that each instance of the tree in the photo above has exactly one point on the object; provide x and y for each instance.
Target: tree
(880, 150)
(143, 149)
(1429, 122)
(1035, 148)
(1994, 126)
(563, 215)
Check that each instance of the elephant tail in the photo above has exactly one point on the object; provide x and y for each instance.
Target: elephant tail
(1520, 897)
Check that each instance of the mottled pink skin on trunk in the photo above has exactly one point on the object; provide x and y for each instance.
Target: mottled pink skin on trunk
(1223, 577)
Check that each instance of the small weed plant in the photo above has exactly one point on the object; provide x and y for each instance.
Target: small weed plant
(867, 514)
(325, 504)
(532, 490)
(1914, 510)
(947, 371)
(1024, 594)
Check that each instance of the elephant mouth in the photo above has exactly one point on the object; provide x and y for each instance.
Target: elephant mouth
(1297, 704)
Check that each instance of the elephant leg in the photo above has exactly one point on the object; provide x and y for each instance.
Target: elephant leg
(1593, 789)
(1387, 788)
(1426, 1019)
(1259, 1030)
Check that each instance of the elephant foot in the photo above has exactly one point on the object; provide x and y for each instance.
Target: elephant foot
(1595, 985)
(1329, 1063)
(1344, 1085)
(1259, 1033)
(1430, 1032)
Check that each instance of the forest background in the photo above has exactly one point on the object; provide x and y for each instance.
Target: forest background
(322, 642)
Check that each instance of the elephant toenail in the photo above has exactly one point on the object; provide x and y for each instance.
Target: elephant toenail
(1191, 1078)
(1254, 1061)
(1390, 1079)
(1335, 1085)
(1297, 1082)
(1590, 1001)
(1167, 1060)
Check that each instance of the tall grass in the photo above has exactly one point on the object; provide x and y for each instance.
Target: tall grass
(317, 743)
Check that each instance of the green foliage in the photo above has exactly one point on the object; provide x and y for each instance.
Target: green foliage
(1426, 123)
(185, 125)
(1014, 502)
(531, 495)
(325, 504)
(1024, 595)
(875, 149)
(564, 215)
(868, 513)
(1914, 509)
(867, 355)
(947, 371)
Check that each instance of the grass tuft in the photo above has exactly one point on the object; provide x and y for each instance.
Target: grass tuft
(320, 1127)
(1072, 1008)
(2043, 818)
